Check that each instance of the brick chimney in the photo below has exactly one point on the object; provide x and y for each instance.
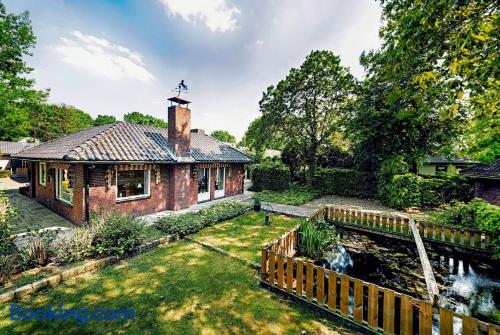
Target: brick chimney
(198, 131)
(179, 128)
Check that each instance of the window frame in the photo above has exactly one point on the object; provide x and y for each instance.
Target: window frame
(58, 186)
(40, 165)
(220, 193)
(147, 186)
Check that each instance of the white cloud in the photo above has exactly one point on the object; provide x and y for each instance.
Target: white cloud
(102, 57)
(259, 42)
(216, 14)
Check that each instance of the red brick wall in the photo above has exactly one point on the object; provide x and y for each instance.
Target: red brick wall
(183, 188)
(234, 179)
(102, 197)
(46, 195)
(489, 190)
(179, 130)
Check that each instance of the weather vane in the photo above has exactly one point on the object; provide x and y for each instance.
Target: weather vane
(181, 88)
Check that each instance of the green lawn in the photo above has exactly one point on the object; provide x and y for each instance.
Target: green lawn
(179, 289)
(245, 235)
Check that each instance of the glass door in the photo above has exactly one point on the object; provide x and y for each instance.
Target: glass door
(203, 184)
(220, 182)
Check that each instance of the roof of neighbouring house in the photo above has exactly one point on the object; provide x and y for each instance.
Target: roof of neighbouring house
(444, 160)
(10, 148)
(490, 171)
(130, 142)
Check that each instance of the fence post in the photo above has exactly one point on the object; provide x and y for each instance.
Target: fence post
(332, 290)
(263, 267)
(445, 322)
(388, 311)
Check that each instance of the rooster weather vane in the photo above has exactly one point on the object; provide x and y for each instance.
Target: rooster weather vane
(181, 88)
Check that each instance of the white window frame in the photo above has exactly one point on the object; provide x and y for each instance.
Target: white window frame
(205, 196)
(147, 188)
(221, 193)
(44, 181)
(58, 187)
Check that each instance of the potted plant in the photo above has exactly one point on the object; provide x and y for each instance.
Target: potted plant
(256, 205)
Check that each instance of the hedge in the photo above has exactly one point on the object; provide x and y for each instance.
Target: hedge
(189, 223)
(270, 176)
(344, 182)
(5, 173)
(404, 191)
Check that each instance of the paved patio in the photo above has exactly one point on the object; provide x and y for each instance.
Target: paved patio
(30, 214)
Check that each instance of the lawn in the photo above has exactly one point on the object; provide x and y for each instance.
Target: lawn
(179, 289)
(245, 235)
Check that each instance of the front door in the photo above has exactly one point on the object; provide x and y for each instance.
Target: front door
(203, 184)
(220, 182)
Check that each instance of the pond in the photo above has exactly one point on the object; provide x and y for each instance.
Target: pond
(467, 285)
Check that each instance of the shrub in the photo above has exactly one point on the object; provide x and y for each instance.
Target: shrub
(404, 191)
(39, 248)
(296, 196)
(272, 176)
(5, 173)
(189, 223)
(117, 233)
(9, 264)
(389, 168)
(10, 261)
(445, 189)
(78, 246)
(344, 182)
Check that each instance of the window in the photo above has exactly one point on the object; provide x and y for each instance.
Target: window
(441, 168)
(42, 174)
(132, 184)
(219, 182)
(64, 189)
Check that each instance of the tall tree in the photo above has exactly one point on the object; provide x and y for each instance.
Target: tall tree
(305, 109)
(148, 120)
(224, 136)
(17, 94)
(101, 120)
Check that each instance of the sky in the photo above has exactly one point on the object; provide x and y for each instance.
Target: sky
(114, 57)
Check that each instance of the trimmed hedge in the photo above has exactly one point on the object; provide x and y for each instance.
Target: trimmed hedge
(295, 195)
(189, 223)
(344, 182)
(270, 176)
(410, 190)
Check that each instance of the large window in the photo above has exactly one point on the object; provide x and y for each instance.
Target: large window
(64, 189)
(203, 184)
(42, 174)
(132, 184)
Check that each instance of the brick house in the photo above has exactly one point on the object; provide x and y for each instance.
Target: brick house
(486, 180)
(133, 168)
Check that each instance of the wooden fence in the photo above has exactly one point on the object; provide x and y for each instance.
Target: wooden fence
(375, 307)
(22, 171)
(463, 237)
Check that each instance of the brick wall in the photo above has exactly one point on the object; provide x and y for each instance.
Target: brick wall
(103, 197)
(46, 195)
(234, 179)
(489, 190)
(179, 130)
(183, 188)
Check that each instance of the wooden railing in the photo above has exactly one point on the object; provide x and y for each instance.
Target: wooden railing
(375, 307)
(22, 171)
(399, 225)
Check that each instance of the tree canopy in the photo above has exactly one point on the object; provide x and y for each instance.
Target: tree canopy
(224, 136)
(101, 120)
(148, 120)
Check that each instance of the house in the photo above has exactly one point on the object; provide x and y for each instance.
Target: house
(134, 168)
(7, 149)
(486, 180)
(435, 165)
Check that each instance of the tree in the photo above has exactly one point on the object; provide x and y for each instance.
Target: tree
(305, 109)
(17, 94)
(52, 121)
(437, 72)
(224, 136)
(102, 120)
(148, 120)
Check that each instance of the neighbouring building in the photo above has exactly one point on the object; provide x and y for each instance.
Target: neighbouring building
(134, 168)
(7, 149)
(486, 180)
(435, 165)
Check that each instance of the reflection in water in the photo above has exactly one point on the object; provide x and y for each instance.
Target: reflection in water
(338, 259)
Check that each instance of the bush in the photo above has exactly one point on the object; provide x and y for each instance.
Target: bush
(445, 189)
(78, 246)
(296, 196)
(404, 191)
(5, 173)
(39, 248)
(10, 261)
(117, 233)
(272, 176)
(189, 223)
(344, 182)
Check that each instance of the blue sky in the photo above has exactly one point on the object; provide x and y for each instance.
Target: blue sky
(113, 57)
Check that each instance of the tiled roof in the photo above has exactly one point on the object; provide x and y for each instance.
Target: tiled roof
(10, 148)
(130, 142)
(483, 170)
(444, 160)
